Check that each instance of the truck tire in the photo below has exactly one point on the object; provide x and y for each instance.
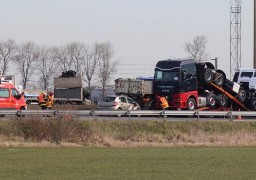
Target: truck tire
(208, 76)
(218, 79)
(211, 100)
(191, 104)
(221, 100)
(241, 95)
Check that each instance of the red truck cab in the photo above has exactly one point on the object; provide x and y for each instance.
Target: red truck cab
(10, 99)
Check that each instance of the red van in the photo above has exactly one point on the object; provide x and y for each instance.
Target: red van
(10, 99)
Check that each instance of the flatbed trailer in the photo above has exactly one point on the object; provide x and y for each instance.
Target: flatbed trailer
(231, 97)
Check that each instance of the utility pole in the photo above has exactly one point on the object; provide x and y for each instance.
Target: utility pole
(254, 30)
(216, 62)
(235, 36)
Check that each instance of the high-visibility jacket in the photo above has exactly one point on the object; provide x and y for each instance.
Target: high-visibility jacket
(41, 99)
(164, 102)
(49, 101)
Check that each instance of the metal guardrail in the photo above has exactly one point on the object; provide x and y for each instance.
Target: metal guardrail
(162, 113)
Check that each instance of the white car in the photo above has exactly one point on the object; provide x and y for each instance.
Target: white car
(117, 103)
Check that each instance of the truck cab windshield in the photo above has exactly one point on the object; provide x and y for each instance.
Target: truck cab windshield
(167, 76)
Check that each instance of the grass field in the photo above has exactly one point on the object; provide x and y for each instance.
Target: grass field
(128, 163)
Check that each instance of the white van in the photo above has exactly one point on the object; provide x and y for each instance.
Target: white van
(247, 77)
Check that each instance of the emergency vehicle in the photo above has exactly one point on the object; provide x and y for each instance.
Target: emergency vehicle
(10, 99)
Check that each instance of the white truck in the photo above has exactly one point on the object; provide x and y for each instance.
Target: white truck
(246, 77)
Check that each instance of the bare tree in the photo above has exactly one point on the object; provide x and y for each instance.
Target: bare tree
(61, 54)
(27, 55)
(7, 53)
(46, 66)
(76, 55)
(90, 62)
(197, 49)
(106, 65)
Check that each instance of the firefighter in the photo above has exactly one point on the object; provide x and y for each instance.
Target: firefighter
(41, 100)
(164, 103)
(49, 100)
(162, 100)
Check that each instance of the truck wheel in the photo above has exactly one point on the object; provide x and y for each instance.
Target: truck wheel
(191, 104)
(211, 101)
(208, 76)
(221, 100)
(241, 95)
(218, 79)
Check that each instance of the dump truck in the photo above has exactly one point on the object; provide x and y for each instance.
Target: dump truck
(68, 89)
(139, 89)
(186, 84)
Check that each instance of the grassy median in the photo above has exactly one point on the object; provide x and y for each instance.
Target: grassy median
(70, 131)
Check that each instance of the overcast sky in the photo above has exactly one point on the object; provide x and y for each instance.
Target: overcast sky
(141, 31)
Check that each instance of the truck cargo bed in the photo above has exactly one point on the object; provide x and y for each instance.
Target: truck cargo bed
(71, 93)
(133, 87)
(67, 82)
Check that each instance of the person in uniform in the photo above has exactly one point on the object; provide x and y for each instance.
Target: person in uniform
(42, 100)
(49, 100)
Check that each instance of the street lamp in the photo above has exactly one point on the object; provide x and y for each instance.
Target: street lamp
(216, 62)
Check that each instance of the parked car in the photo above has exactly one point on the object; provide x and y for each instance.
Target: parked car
(117, 103)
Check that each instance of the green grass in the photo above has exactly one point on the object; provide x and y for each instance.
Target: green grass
(128, 163)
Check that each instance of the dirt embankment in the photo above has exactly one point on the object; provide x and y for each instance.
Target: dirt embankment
(67, 131)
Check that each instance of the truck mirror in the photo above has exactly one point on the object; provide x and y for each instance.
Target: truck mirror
(17, 96)
(183, 75)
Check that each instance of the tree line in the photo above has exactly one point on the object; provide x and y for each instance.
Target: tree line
(91, 62)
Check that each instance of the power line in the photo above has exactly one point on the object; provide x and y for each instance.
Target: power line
(135, 70)
(130, 73)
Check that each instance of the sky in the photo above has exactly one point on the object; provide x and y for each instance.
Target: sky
(142, 32)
